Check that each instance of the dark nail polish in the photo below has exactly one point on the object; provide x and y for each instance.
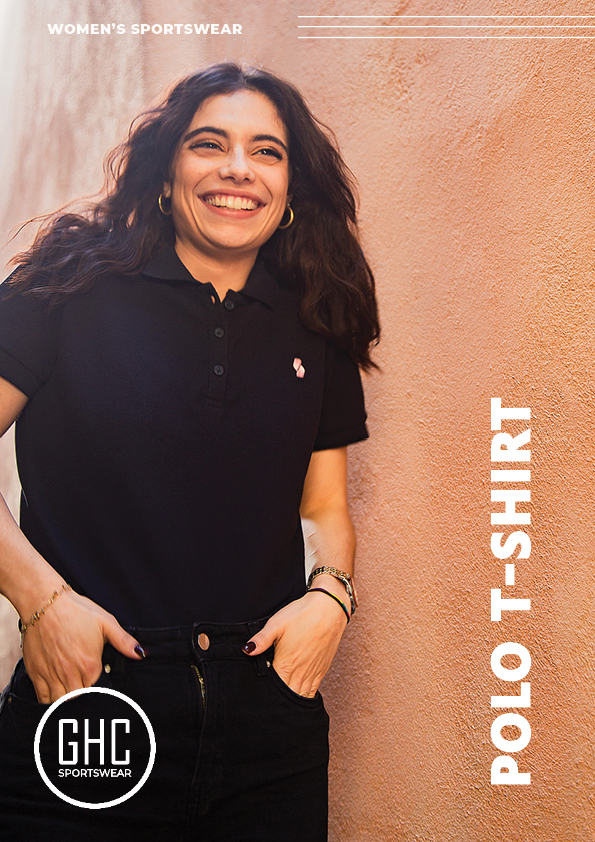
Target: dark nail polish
(249, 647)
(140, 651)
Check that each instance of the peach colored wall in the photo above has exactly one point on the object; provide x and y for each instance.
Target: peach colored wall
(475, 161)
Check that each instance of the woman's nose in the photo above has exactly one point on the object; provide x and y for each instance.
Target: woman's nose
(237, 166)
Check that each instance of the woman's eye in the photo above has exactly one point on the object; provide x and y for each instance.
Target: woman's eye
(204, 144)
(270, 152)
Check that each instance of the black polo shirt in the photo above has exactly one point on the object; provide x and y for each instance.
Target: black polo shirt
(163, 450)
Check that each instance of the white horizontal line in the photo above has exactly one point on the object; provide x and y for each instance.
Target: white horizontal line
(447, 26)
(452, 17)
(451, 37)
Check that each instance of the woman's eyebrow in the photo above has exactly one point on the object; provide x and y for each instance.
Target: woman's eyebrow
(223, 133)
(272, 138)
(209, 129)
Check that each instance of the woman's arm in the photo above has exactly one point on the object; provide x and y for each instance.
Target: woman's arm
(325, 513)
(306, 633)
(62, 651)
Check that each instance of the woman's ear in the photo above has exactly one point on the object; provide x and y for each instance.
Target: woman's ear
(166, 192)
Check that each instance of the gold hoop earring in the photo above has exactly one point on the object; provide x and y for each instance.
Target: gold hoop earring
(291, 218)
(161, 208)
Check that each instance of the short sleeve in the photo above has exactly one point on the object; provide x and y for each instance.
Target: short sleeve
(343, 416)
(28, 339)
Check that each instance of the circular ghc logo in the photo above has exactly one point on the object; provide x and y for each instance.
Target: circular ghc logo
(94, 748)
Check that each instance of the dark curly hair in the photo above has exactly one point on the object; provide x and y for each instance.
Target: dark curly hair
(319, 254)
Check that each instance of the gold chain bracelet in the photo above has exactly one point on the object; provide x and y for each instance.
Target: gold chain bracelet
(35, 617)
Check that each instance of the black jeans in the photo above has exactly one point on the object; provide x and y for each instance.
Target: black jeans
(240, 756)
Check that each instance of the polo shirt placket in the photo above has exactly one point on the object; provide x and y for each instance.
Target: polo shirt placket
(218, 346)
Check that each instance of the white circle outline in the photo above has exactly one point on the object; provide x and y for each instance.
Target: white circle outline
(108, 692)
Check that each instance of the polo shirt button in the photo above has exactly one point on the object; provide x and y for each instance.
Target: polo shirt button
(219, 332)
(218, 369)
(229, 305)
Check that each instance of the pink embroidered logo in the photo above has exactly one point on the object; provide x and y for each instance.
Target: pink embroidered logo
(299, 368)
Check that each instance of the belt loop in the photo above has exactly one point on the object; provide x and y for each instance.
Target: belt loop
(194, 640)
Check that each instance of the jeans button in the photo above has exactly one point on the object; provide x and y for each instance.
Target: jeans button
(203, 641)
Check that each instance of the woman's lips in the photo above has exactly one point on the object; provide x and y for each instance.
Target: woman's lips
(228, 202)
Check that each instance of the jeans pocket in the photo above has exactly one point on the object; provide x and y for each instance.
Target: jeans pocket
(20, 689)
(114, 670)
(305, 701)
(20, 713)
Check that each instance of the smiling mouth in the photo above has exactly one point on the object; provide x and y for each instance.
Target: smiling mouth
(231, 202)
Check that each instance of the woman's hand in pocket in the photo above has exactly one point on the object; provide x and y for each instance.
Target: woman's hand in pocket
(305, 634)
(62, 650)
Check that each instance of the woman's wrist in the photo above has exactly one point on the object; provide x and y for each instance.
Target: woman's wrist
(342, 576)
(33, 595)
(37, 615)
(339, 602)
(325, 580)
(333, 587)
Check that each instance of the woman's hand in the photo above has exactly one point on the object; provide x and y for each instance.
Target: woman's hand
(62, 650)
(305, 634)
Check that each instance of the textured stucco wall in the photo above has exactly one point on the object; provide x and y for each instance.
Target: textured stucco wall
(475, 161)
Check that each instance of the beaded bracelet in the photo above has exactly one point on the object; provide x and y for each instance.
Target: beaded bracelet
(336, 598)
(35, 617)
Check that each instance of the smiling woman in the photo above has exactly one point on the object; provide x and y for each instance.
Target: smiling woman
(228, 186)
(183, 361)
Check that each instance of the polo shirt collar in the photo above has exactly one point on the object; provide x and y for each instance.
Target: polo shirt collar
(261, 284)
(167, 266)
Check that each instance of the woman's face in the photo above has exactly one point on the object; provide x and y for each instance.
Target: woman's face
(229, 176)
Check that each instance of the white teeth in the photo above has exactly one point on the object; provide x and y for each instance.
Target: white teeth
(232, 202)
